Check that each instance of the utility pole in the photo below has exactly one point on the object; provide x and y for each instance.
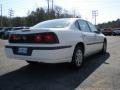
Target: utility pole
(74, 13)
(48, 2)
(1, 16)
(94, 14)
(52, 4)
(11, 12)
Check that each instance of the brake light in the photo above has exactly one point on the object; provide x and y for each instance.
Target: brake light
(49, 38)
(14, 37)
(38, 38)
(45, 38)
(42, 38)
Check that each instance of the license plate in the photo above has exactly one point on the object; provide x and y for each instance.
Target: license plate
(22, 50)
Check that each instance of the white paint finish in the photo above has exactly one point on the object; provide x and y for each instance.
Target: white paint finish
(67, 36)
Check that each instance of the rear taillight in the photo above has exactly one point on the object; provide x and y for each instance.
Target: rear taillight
(42, 38)
(14, 37)
(50, 38)
(37, 38)
(45, 38)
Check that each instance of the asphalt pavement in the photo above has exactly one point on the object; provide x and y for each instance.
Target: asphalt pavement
(99, 72)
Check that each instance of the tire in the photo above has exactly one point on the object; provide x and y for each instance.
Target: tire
(77, 59)
(104, 49)
(2, 36)
(31, 62)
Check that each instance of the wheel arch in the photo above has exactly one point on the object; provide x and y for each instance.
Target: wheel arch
(81, 44)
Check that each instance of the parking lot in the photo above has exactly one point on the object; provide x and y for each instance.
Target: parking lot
(99, 72)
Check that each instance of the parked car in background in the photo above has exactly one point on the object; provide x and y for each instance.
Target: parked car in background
(107, 31)
(7, 33)
(116, 32)
(2, 32)
(1, 28)
(56, 41)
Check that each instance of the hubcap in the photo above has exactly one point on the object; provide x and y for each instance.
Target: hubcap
(78, 57)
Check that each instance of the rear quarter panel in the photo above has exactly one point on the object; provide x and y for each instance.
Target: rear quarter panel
(70, 38)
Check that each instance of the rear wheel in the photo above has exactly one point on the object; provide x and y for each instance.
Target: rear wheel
(77, 59)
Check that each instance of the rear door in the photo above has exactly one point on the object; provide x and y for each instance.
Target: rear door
(88, 37)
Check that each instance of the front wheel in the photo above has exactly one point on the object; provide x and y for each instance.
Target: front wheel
(2, 37)
(104, 49)
(31, 62)
(77, 59)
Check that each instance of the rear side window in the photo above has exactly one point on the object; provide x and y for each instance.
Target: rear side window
(84, 26)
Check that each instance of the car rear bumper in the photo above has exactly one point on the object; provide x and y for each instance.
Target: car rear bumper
(57, 54)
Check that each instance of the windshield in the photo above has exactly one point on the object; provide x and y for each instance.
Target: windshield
(57, 23)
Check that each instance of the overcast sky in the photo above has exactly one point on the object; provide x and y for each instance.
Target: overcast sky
(108, 10)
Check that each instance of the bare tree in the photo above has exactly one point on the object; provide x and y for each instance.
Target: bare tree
(58, 10)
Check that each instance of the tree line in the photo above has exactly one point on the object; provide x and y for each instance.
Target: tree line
(33, 17)
(112, 24)
(42, 14)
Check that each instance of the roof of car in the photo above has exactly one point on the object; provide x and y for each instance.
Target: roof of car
(68, 18)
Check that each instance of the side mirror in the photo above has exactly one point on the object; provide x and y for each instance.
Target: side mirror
(97, 32)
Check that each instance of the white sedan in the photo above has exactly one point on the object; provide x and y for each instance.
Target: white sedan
(56, 41)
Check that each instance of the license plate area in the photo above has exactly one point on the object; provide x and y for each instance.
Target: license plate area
(22, 51)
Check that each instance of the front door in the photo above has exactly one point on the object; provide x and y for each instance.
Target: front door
(88, 37)
(98, 39)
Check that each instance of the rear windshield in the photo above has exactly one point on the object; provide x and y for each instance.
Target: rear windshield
(57, 23)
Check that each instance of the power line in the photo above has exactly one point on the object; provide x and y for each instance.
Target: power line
(94, 14)
(11, 13)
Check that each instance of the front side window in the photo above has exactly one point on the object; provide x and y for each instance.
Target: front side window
(84, 26)
(92, 27)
